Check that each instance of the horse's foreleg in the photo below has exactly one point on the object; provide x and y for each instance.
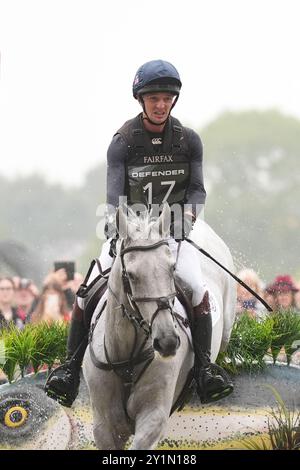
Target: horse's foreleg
(109, 439)
(111, 430)
(110, 424)
(149, 428)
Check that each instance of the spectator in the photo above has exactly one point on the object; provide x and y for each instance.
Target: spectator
(269, 296)
(26, 298)
(60, 278)
(297, 296)
(245, 300)
(285, 290)
(8, 312)
(52, 305)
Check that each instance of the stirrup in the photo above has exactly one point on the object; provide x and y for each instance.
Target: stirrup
(222, 393)
(211, 397)
(65, 399)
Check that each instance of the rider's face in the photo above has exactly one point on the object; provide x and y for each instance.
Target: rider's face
(158, 106)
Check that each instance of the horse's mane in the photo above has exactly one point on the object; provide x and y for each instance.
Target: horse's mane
(140, 225)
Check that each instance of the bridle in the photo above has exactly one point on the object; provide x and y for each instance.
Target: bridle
(163, 302)
(139, 355)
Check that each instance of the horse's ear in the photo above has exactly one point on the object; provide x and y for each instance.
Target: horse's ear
(162, 225)
(122, 221)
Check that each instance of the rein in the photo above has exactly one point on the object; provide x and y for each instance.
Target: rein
(237, 279)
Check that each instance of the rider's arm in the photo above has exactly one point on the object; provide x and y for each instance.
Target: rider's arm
(196, 194)
(115, 180)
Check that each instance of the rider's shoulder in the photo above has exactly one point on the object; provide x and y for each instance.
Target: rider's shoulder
(193, 139)
(191, 134)
(118, 139)
(117, 149)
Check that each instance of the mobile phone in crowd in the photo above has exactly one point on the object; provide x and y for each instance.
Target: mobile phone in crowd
(69, 267)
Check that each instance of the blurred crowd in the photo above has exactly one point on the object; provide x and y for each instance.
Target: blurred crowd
(22, 302)
(283, 293)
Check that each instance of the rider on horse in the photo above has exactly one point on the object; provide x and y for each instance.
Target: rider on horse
(153, 159)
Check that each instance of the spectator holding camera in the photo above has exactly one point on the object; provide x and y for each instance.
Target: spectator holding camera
(63, 278)
(52, 305)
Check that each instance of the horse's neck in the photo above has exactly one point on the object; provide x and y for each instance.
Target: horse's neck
(119, 332)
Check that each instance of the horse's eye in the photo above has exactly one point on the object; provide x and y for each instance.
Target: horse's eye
(173, 268)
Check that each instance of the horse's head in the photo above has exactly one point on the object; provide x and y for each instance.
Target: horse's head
(148, 268)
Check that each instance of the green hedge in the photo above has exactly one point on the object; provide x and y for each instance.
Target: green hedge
(251, 340)
(45, 344)
(35, 346)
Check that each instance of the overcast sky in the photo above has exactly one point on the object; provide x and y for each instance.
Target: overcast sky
(67, 67)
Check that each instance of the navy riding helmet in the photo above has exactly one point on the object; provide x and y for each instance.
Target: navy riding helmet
(156, 76)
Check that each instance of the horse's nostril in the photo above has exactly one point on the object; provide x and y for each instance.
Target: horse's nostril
(167, 346)
(156, 344)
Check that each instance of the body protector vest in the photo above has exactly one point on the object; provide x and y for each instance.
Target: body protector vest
(157, 167)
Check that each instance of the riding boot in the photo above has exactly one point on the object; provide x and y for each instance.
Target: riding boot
(211, 386)
(63, 383)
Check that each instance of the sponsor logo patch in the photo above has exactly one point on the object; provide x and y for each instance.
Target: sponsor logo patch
(159, 159)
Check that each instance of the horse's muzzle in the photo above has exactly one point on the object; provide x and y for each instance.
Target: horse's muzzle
(167, 345)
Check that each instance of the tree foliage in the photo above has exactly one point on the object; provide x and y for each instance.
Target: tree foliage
(251, 169)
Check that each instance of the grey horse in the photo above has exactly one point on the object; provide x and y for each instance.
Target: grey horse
(140, 350)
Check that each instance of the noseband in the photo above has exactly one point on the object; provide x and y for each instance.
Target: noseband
(163, 302)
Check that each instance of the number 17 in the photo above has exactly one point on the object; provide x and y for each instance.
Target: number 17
(148, 188)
